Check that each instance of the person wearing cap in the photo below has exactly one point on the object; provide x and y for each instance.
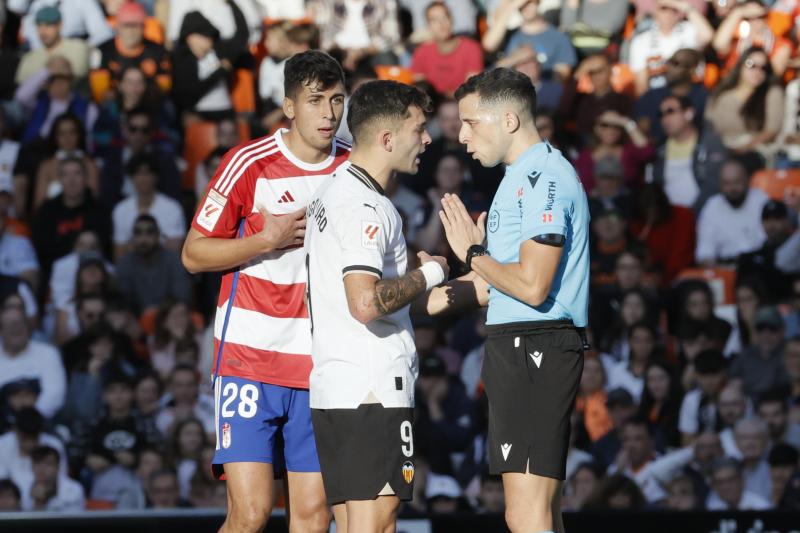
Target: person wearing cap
(729, 223)
(760, 366)
(688, 162)
(130, 48)
(48, 29)
(442, 493)
(698, 410)
(760, 264)
(621, 408)
(79, 19)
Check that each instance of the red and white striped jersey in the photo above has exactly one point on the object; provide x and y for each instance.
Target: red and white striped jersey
(268, 333)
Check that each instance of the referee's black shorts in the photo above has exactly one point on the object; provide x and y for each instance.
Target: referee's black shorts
(531, 372)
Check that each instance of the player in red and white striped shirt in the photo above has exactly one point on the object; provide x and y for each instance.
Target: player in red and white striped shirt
(251, 224)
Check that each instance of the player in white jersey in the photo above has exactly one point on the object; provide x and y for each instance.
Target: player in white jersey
(251, 224)
(359, 290)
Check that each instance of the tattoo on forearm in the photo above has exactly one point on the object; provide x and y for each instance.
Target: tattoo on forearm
(396, 293)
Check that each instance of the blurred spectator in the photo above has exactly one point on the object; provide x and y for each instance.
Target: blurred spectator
(145, 199)
(616, 492)
(17, 445)
(636, 457)
(150, 460)
(549, 91)
(687, 165)
(746, 26)
(202, 63)
(773, 409)
(150, 273)
(698, 410)
(682, 494)
(750, 295)
(80, 18)
(629, 373)
(650, 49)
(591, 401)
(9, 152)
(789, 138)
(282, 40)
(729, 490)
(553, 48)
(585, 107)
(609, 142)
(732, 406)
(592, 23)
(667, 231)
(139, 142)
(186, 443)
(48, 29)
(359, 28)
(147, 392)
(783, 461)
(67, 139)
(661, 403)
(464, 14)
(696, 310)
(442, 493)
(10, 497)
(752, 438)
(162, 490)
(679, 73)
(205, 490)
(620, 408)
(184, 400)
(86, 308)
(129, 48)
(22, 357)
(746, 107)
(633, 310)
(174, 331)
(729, 223)
(16, 396)
(791, 361)
(580, 486)
(447, 60)
(17, 257)
(444, 414)
(609, 238)
(760, 367)
(760, 263)
(491, 498)
(65, 269)
(48, 93)
(52, 490)
(606, 296)
(228, 16)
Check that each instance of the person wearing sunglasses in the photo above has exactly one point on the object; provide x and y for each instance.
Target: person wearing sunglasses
(760, 366)
(746, 108)
(745, 27)
(687, 163)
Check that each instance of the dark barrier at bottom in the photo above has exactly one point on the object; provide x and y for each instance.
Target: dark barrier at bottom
(208, 521)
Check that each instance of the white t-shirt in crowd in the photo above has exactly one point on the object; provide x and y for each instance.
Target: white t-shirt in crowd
(165, 210)
(42, 362)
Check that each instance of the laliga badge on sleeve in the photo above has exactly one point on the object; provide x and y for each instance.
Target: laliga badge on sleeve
(226, 435)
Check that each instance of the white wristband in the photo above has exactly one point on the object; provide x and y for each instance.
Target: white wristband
(434, 274)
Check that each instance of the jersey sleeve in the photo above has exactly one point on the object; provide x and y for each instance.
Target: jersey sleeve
(546, 206)
(363, 237)
(226, 199)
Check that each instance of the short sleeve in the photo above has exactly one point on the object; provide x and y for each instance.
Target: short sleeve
(547, 204)
(221, 208)
(363, 237)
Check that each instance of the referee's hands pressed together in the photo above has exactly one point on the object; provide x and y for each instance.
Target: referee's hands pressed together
(460, 230)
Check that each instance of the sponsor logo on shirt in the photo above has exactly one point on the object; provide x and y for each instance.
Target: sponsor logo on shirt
(226, 435)
(370, 231)
(286, 198)
(494, 221)
(408, 471)
(209, 214)
(547, 218)
(551, 196)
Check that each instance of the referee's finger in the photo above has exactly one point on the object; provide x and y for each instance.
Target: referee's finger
(445, 221)
(456, 210)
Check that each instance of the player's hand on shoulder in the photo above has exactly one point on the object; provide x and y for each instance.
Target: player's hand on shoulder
(425, 257)
(280, 231)
(460, 230)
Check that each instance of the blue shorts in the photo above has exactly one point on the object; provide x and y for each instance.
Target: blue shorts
(263, 423)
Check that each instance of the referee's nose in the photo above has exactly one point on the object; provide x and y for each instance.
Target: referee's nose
(463, 133)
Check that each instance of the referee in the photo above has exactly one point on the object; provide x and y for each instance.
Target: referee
(536, 264)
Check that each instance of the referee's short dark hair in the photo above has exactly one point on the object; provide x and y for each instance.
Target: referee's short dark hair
(311, 68)
(501, 85)
(383, 100)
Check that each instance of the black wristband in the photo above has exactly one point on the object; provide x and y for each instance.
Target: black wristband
(474, 251)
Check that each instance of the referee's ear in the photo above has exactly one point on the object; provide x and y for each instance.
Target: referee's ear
(511, 122)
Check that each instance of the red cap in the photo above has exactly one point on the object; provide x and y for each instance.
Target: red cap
(131, 13)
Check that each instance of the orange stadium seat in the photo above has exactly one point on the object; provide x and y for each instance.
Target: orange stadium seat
(243, 93)
(393, 72)
(199, 141)
(622, 80)
(777, 183)
(721, 280)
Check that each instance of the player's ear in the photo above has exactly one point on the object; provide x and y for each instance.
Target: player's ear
(288, 107)
(387, 140)
(510, 121)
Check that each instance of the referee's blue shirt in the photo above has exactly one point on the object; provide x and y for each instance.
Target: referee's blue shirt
(540, 194)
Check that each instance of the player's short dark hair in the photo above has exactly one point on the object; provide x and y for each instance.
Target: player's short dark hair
(501, 85)
(40, 453)
(383, 100)
(311, 67)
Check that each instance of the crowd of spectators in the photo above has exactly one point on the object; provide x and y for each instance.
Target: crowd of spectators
(114, 114)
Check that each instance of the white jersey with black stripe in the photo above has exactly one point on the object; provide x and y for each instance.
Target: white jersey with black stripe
(354, 228)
